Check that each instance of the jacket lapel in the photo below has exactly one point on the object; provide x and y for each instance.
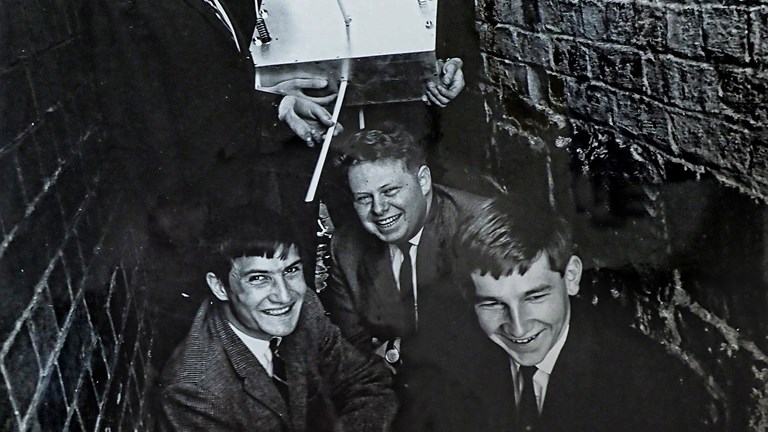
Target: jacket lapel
(383, 298)
(427, 259)
(256, 381)
(296, 374)
(567, 401)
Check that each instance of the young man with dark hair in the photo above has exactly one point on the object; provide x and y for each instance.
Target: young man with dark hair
(552, 364)
(262, 355)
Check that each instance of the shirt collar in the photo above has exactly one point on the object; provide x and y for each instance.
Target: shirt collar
(417, 238)
(548, 363)
(550, 359)
(258, 347)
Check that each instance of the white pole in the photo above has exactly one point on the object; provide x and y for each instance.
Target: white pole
(326, 143)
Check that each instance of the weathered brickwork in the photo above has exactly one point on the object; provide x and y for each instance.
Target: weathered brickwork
(647, 121)
(74, 341)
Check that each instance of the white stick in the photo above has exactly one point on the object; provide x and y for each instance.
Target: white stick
(347, 18)
(326, 144)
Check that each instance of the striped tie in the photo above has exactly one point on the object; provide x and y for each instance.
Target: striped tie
(221, 15)
(278, 369)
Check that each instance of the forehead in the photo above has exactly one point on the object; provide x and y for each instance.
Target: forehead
(374, 174)
(264, 264)
(539, 275)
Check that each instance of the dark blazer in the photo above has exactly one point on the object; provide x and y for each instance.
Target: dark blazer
(362, 296)
(214, 383)
(605, 379)
(177, 93)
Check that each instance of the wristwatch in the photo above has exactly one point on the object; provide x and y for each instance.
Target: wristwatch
(392, 353)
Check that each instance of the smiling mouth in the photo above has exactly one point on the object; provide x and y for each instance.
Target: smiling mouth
(278, 311)
(388, 222)
(523, 341)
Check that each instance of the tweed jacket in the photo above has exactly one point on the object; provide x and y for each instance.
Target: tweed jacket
(214, 383)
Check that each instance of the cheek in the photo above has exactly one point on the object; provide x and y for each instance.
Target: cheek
(489, 320)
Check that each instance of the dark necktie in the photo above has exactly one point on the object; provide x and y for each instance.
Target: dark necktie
(278, 369)
(407, 298)
(527, 409)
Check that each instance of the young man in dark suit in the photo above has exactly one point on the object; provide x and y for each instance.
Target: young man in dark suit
(547, 362)
(389, 289)
(262, 355)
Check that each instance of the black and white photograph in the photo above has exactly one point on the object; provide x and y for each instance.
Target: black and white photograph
(384, 215)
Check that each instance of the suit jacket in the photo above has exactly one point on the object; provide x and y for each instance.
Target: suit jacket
(178, 95)
(214, 383)
(605, 379)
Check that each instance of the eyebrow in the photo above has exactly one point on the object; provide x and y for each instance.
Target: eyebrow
(480, 299)
(260, 271)
(538, 289)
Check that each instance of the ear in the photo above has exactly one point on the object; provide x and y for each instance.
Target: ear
(425, 179)
(217, 288)
(573, 275)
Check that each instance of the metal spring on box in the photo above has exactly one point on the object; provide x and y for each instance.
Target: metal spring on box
(261, 30)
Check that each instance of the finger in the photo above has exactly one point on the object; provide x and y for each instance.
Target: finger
(321, 114)
(435, 95)
(450, 68)
(434, 101)
(310, 83)
(299, 127)
(320, 100)
(338, 129)
(446, 92)
(458, 82)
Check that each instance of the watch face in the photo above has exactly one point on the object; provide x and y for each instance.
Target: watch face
(392, 355)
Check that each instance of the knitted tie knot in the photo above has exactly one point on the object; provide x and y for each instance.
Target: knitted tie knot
(405, 248)
(528, 372)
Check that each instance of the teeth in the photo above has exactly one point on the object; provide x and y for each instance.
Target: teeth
(522, 341)
(275, 312)
(388, 222)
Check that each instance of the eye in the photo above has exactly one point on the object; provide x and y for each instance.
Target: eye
(363, 199)
(256, 279)
(537, 297)
(390, 192)
(490, 305)
(294, 269)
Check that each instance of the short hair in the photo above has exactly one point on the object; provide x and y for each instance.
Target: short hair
(245, 231)
(509, 234)
(389, 140)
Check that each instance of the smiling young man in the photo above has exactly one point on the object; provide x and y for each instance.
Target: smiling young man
(549, 363)
(262, 355)
(389, 288)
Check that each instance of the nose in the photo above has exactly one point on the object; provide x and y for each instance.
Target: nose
(380, 205)
(280, 293)
(515, 321)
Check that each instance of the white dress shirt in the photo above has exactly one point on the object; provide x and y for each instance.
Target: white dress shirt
(258, 347)
(396, 256)
(541, 377)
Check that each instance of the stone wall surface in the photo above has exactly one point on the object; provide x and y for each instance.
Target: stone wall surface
(74, 339)
(647, 122)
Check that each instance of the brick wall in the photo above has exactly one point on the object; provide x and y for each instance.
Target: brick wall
(74, 342)
(647, 121)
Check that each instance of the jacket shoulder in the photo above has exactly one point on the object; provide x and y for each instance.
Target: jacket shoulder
(463, 201)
